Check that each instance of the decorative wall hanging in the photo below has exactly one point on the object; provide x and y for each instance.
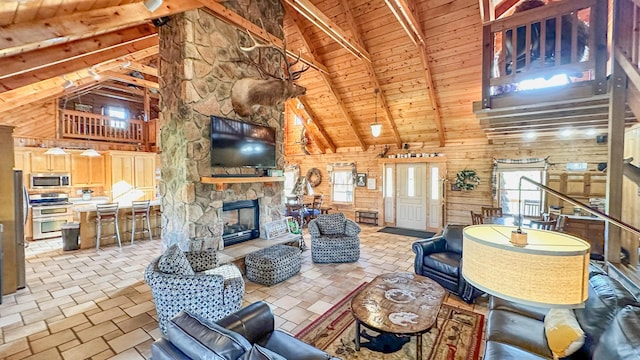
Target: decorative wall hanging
(467, 179)
(361, 180)
(314, 177)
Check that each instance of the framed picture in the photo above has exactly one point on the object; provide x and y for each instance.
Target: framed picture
(371, 184)
(361, 180)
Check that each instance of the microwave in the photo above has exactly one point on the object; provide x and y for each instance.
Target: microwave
(50, 180)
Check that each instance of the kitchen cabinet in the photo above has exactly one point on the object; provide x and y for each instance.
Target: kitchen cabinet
(131, 175)
(86, 171)
(581, 186)
(43, 163)
(22, 159)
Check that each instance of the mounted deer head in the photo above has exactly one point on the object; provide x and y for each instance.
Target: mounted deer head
(248, 94)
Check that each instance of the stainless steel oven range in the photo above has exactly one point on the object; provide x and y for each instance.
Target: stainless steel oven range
(50, 211)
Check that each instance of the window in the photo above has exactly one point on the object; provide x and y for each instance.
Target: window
(290, 176)
(297, 120)
(342, 189)
(509, 181)
(118, 117)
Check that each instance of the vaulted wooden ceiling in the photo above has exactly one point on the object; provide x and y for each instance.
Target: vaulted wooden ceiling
(423, 55)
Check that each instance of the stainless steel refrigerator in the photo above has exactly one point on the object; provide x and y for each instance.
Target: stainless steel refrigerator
(21, 208)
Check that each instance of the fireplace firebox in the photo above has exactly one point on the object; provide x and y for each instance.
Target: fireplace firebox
(241, 221)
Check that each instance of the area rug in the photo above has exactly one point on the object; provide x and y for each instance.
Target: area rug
(406, 232)
(458, 336)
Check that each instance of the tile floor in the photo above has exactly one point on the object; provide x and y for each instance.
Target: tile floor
(86, 304)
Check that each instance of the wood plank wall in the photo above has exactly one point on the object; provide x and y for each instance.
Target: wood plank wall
(473, 156)
(36, 120)
(631, 205)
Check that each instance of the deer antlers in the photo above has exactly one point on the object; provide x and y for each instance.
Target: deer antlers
(291, 76)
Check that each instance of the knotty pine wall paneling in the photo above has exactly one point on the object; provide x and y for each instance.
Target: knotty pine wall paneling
(478, 157)
(631, 195)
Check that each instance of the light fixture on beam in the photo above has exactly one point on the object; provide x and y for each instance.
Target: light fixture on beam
(94, 74)
(376, 128)
(152, 5)
(68, 84)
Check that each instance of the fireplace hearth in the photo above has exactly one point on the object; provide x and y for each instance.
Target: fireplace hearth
(241, 221)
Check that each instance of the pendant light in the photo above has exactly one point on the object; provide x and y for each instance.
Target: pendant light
(90, 153)
(376, 128)
(55, 151)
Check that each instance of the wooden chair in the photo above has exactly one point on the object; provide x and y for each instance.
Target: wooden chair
(491, 211)
(313, 211)
(477, 218)
(544, 224)
(107, 214)
(531, 208)
(140, 212)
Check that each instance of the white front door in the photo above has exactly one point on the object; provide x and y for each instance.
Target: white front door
(411, 196)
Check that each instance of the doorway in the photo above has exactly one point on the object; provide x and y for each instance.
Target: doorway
(413, 196)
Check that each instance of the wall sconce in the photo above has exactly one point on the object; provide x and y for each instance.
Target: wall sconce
(376, 128)
(152, 5)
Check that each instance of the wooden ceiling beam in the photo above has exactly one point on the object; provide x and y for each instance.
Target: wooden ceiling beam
(131, 79)
(324, 23)
(21, 63)
(487, 10)
(80, 62)
(373, 77)
(503, 7)
(28, 36)
(118, 95)
(110, 85)
(227, 15)
(53, 87)
(406, 15)
(297, 22)
(312, 115)
(145, 69)
(304, 116)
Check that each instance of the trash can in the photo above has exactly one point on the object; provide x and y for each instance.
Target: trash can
(70, 234)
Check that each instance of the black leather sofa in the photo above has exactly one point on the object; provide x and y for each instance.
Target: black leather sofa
(246, 334)
(610, 321)
(440, 258)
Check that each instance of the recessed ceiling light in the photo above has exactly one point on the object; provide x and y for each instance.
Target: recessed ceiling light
(566, 133)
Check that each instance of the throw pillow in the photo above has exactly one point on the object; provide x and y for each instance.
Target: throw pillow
(200, 339)
(563, 332)
(257, 352)
(174, 261)
(202, 260)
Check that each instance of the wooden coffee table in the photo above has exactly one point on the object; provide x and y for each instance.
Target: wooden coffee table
(399, 303)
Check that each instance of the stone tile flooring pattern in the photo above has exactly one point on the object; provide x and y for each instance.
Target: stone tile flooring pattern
(95, 305)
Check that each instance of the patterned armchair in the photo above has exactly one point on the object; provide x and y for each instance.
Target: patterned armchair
(334, 239)
(193, 282)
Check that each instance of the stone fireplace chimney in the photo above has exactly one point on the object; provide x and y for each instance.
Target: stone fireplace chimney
(199, 62)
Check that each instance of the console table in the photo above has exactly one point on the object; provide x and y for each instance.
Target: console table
(367, 217)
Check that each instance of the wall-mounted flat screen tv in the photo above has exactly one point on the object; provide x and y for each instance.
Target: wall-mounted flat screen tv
(238, 144)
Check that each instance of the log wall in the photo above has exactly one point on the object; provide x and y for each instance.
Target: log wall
(631, 205)
(478, 157)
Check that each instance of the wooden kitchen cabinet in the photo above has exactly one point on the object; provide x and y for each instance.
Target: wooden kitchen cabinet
(131, 175)
(22, 160)
(87, 171)
(43, 163)
(581, 186)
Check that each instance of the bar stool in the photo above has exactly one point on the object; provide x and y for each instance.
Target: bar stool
(139, 211)
(107, 214)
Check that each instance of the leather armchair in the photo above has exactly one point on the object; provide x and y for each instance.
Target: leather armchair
(190, 337)
(440, 258)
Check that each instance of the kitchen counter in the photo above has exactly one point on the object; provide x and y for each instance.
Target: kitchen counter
(90, 205)
(85, 214)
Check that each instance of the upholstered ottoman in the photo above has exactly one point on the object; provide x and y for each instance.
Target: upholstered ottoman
(272, 265)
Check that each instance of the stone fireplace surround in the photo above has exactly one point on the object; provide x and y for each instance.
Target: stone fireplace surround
(199, 63)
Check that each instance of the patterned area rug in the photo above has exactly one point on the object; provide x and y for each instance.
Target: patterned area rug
(457, 337)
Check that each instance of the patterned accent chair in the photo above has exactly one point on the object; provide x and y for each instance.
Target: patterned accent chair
(334, 239)
(193, 281)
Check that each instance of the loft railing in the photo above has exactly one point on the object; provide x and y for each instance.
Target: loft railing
(546, 41)
(88, 126)
(619, 223)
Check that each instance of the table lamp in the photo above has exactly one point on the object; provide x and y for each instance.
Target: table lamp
(550, 270)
